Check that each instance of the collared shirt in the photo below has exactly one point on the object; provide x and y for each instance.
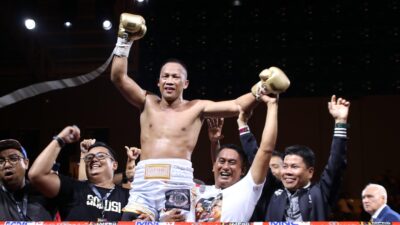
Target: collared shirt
(376, 214)
(292, 212)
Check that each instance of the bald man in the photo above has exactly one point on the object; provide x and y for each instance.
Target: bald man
(374, 199)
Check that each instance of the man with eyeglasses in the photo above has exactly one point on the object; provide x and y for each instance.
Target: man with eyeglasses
(124, 178)
(98, 198)
(19, 201)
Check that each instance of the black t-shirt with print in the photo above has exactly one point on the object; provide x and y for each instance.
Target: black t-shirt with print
(79, 202)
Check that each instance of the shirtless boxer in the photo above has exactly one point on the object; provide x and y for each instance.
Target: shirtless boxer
(170, 126)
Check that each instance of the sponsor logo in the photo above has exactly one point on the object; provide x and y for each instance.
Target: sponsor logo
(109, 206)
(146, 223)
(283, 223)
(22, 223)
(235, 223)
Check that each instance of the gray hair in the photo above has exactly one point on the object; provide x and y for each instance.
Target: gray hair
(381, 190)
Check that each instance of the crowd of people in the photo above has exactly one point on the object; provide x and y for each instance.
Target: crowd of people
(273, 185)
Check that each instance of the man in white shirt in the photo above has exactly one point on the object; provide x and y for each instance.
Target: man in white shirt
(233, 198)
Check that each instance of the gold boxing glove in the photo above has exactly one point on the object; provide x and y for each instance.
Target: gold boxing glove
(272, 80)
(131, 27)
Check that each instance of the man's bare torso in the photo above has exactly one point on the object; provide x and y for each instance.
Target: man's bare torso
(169, 132)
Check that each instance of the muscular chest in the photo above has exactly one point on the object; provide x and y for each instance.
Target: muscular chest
(169, 120)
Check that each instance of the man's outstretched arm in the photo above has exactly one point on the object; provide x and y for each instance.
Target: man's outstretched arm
(273, 81)
(260, 165)
(215, 135)
(247, 139)
(40, 173)
(131, 27)
(131, 91)
(331, 177)
(230, 108)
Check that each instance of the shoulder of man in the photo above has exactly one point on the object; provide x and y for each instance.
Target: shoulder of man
(122, 190)
(390, 212)
(152, 97)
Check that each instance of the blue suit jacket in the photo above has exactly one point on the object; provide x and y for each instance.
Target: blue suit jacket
(387, 215)
(316, 201)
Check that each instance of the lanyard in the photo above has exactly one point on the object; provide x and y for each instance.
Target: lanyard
(22, 212)
(103, 199)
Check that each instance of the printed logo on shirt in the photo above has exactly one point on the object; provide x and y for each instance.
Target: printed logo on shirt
(110, 206)
(278, 192)
(209, 209)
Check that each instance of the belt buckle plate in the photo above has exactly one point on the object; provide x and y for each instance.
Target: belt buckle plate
(157, 171)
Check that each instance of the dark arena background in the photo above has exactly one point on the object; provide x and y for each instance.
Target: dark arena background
(347, 48)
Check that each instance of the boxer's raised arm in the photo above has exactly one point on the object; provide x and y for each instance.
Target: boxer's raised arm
(127, 86)
(230, 108)
(272, 81)
(131, 27)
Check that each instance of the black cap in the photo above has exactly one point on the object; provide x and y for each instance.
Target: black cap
(12, 144)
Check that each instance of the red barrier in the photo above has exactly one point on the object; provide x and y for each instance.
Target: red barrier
(187, 223)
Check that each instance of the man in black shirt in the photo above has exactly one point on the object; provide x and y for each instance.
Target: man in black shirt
(19, 201)
(98, 198)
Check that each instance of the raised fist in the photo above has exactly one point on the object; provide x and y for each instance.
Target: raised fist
(131, 27)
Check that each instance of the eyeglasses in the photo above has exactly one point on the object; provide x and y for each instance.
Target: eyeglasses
(12, 159)
(100, 156)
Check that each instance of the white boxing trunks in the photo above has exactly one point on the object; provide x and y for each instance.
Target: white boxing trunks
(162, 184)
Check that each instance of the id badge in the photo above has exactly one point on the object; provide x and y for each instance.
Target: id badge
(101, 220)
